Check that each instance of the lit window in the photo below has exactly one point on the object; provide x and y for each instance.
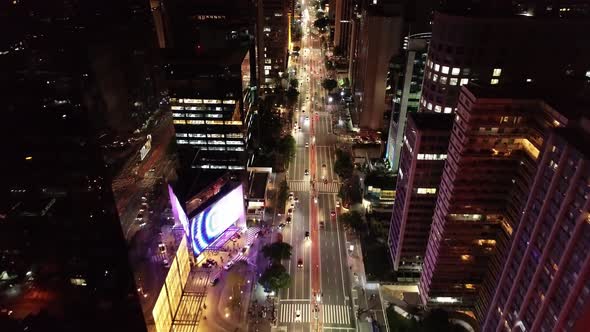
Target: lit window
(229, 102)
(466, 71)
(181, 141)
(430, 65)
(455, 71)
(443, 80)
(234, 135)
(588, 74)
(424, 102)
(215, 122)
(181, 134)
(215, 135)
(212, 101)
(497, 72)
(453, 81)
(216, 148)
(435, 78)
(195, 122)
(529, 80)
(214, 115)
(445, 69)
(494, 81)
(436, 67)
(235, 148)
(438, 108)
(178, 115)
(448, 110)
(464, 81)
(426, 191)
(177, 108)
(179, 121)
(235, 123)
(429, 106)
(198, 141)
(234, 142)
(235, 167)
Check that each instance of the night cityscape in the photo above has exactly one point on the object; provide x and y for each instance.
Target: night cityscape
(295, 165)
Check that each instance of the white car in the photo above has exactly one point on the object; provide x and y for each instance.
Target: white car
(306, 144)
(297, 315)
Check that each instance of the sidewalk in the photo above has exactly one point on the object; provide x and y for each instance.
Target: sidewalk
(367, 300)
(262, 309)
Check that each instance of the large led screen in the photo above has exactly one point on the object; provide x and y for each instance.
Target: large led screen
(209, 224)
(177, 210)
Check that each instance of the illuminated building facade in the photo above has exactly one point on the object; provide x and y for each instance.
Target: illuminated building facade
(272, 32)
(373, 52)
(491, 163)
(423, 156)
(545, 284)
(343, 24)
(210, 99)
(408, 73)
(499, 48)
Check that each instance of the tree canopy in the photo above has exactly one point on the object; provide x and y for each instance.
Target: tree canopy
(329, 84)
(321, 23)
(343, 165)
(277, 251)
(353, 220)
(275, 278)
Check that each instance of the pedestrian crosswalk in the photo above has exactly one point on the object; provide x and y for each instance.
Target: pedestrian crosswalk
(335, 314)
(288, 312)
(299, 186)
(330, 187)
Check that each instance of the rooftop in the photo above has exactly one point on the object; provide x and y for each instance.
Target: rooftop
(258, 181)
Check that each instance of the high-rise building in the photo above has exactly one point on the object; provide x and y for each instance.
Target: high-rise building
(273, 35)
(408, 73)
(373, 52)
(499, 48)
(423, 156)
(69, 74)
(545, 282)
(491, 162)
(210, 99)
(343, 24)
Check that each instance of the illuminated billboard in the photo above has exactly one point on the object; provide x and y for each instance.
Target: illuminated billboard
(177, 210)
(210, 223)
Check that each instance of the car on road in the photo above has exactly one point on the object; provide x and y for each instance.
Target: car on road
(228, 266)
(288, 220)
(290, 212)
(281, 226)
(291, 196)
(214, 281)
(322, 224)
(162, 248)
(337, 204)
(307, 235)
(296, 199)
(297, 315)
(307, 118)
(333, 213)
(306, 172)
(315, 199)
(292, 205)
(300, 263)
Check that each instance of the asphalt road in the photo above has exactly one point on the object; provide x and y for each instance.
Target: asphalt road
(324, 280)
